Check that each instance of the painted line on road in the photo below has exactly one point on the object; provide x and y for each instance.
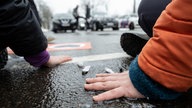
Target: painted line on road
(98, 57)
(69, 46)
(64, 46)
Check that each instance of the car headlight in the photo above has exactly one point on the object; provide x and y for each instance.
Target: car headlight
(56, 21)
(82, 24)
(73, 21)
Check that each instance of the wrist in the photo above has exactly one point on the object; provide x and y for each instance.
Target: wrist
(39, 59)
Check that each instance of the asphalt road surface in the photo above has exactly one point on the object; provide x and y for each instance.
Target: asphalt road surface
(23, 86)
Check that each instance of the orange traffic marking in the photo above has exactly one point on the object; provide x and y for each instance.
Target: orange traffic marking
(64, 46)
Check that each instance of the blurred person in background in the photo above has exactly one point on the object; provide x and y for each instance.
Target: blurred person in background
(76, 14)
(87, 15)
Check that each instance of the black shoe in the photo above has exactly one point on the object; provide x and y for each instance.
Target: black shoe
(132, 44)
(3, 58)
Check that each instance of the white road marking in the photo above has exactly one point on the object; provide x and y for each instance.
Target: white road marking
(98, 57)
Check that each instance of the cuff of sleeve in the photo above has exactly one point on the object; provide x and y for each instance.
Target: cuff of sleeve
(148, 87)
(39, 59)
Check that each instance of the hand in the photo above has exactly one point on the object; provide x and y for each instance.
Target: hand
(117, 85)
(56, 60)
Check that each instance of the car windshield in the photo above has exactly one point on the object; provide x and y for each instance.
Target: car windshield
(99, 15)
(61, 16)
(124, 17)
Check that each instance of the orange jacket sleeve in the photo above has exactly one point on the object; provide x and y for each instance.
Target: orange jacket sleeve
(167, 56)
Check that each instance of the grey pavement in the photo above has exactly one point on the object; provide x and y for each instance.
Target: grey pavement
(23, 86)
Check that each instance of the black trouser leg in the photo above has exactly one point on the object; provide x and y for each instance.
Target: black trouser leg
(149, 11)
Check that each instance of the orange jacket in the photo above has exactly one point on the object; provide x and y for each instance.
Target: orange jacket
(167, 56)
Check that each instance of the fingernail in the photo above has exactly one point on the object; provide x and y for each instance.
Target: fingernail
(85, 86)
(88, 79)
(94, 98)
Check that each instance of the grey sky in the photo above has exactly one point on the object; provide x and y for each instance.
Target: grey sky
(114, 7)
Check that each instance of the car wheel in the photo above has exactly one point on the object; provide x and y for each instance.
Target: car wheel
(115, 28)
(131, 26)
(73, 30)
(55, 31)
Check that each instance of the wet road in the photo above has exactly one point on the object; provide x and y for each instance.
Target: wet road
(23, 86)
(102, 42)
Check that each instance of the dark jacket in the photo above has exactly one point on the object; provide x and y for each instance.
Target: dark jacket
(20, 29)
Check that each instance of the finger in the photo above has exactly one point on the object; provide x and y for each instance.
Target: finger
(65, 59)
(113, 74)
(111, 94)
(105, 75)
(102, 85)
(101, 79)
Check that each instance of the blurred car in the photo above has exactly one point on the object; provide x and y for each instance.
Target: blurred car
(63, 22)
(133, 21)
(100, 22)
(124, 21)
